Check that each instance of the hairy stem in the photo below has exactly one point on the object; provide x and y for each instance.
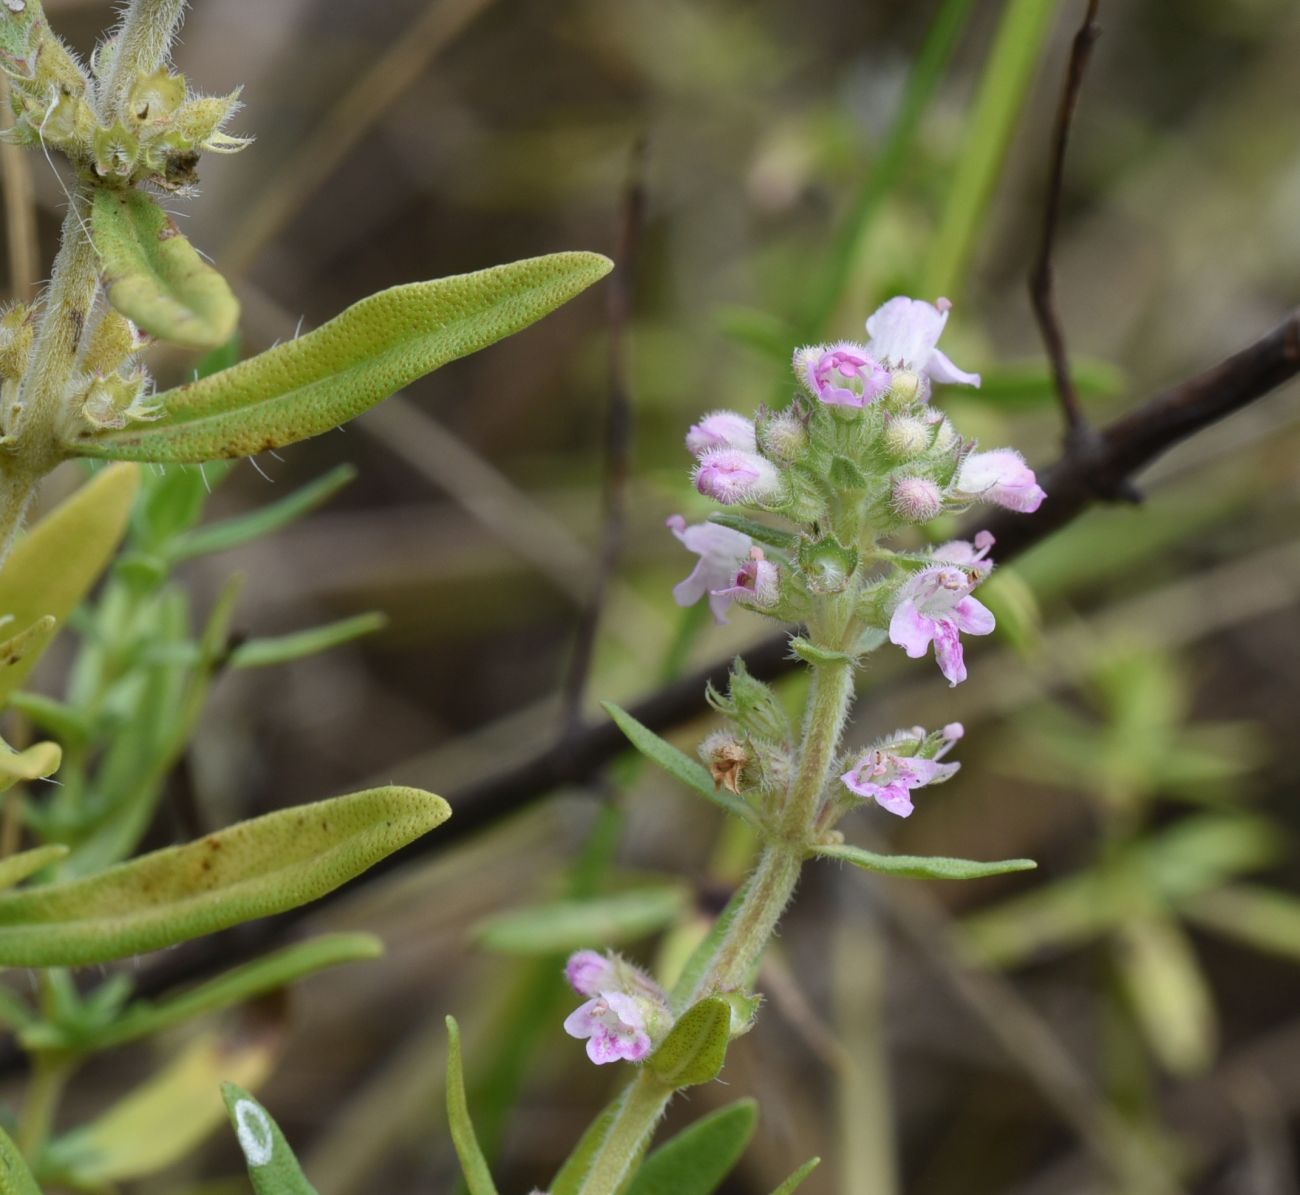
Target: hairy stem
(828, 710)
(143, 41)
(16, 492)
(629, 1133)
(64, 314)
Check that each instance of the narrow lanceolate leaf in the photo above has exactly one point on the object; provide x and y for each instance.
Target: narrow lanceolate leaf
(795, 1180)
(15, 650)
(924, 867)
(15, 1178)
(275, 971)
(252, 869)
(696, 1047)
(54, 565)
(168, 1115)
(16, 868)
(155, 277)
(281, 649)
(473, 1164)
(679, 766)
(272, 1167)
(697, 1160)
(565, 925)
(377, 346)
(38, 761)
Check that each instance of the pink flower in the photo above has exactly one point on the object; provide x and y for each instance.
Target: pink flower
(588, 972)
(888, 777)
(729, 475)
(722, 555)
(904, 333)
(841, 375)
(614, 1027)
(756, 581)
(934, 607)
(1000, 476)
(721, 429)
(973, 557)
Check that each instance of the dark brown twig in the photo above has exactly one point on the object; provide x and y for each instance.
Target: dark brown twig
(1077, 431)
(618, 438)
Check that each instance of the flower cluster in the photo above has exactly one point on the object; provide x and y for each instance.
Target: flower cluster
(889, 770)
(860, 455)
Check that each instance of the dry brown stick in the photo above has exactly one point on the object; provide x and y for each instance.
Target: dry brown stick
(1040, 277)
(353, 115)
(618, 438)
(20, 214)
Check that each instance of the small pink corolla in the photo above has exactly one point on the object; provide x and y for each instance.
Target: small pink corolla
(729, 475)
(756, 581)
(904, 333)
(1000, 476)
(973, 557)
(888, 777)
(721, 429)
(589, 972)
(614, 1027)
(935, 606)
(723, 554)
(841, 375)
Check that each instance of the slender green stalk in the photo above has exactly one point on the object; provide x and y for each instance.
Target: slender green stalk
(628, 1135)
(143, 41)
(50, 1073)
(17, 489)
(828, 710)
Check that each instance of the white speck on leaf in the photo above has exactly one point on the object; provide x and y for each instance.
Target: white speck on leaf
(254, 1129)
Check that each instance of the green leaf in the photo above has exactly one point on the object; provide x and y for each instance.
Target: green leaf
(697, 1159)
(377, 346)
(38, 761)
(472, 1163)
(764, 534)
(281, 649)
(679, 766)
(1168, 992)
(16, 868)
(275, 971)
(252, 869)
(167, 1116)
(272, 1167)
(568, 1180)
(566, 925)
(155, 277)
(15, 1177)
(696, 1047)
(15, 650)
(923, 867)
(1261, 918)
(795, 1180)
(265, 520)
(54, 565)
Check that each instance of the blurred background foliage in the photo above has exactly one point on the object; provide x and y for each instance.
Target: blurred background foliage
(1125, 1019)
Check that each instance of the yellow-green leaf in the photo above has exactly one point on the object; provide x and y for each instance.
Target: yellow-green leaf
(473, 1165)
(166, 1117)
(272, 1167)
(923, 867)
(38, 761)
(15, 1177)
(696, 1047)
(697, 1159)
(15, 650)
(318, 381)
(54, 565)
(252, 869)
(793, 1182)
(155, 277)
(16, 868)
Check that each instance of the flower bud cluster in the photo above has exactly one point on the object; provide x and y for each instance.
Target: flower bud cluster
(154, 131)
(754, 756)
(626, 1014)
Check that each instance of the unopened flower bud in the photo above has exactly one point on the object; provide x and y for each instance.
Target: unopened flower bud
(916, 499)
(728, 475)
(589, 972)
(906, 387)
(721, 429)
(784, 436)
(841, 375)
(725, 756)
(945, 437)
(906, 437)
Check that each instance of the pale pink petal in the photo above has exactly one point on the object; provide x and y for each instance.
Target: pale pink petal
(911, 630)
(941, 369)
(894, 799)
(582, 1022)
(973, 617)
(604, 1047)
(587, 972)
(625, 1008)
(904, 332)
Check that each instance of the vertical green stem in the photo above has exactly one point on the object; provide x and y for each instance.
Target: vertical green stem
(50, 1073)
(64, 312)
(628, 1135)
(143, 41)
(828, 710)
(17, 489)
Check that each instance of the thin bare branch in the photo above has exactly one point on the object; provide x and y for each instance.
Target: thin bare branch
(20, 212)
(618, 436)
(1040, 277)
